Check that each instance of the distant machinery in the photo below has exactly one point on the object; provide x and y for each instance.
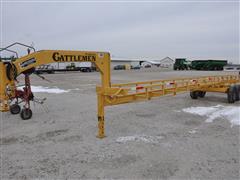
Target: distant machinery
(183, 64)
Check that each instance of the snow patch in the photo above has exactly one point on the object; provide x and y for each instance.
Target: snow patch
(139, 138)
(41, 89)
(192, 131)
(231, 113)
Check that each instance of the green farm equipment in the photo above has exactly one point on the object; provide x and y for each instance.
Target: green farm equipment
(181, 64)
(208, 64)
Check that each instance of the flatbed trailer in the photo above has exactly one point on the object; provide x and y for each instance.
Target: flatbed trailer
(147, 90)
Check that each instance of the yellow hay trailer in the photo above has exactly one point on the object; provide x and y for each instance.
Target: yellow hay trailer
(146, 90)
(107, 94)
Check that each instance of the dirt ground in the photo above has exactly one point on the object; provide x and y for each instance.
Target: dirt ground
(59, 142)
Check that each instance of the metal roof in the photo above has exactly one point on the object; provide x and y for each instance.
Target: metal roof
(155, 60)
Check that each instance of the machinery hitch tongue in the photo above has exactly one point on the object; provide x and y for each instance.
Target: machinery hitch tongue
(107, 94)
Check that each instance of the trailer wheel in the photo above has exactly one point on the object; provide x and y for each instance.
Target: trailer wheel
(194, 94)
(201, 94)
(237, 92)
(26, 114)
(231, 94)
(15, 109)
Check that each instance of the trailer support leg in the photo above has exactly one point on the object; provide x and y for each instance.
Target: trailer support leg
(101, 127)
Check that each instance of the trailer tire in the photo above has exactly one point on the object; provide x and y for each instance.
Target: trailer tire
(237, 92)
(194, 94)
(201, 94)
(26, 114)
(231, 94)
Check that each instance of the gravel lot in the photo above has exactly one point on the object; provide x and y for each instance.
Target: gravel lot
(146, 140)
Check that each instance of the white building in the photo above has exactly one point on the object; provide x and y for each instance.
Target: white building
(123, 61)
(232, 67)
(167, 62)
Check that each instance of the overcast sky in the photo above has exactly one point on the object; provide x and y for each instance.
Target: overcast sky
(155, 30)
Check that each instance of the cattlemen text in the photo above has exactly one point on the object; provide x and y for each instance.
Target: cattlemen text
(64, 57)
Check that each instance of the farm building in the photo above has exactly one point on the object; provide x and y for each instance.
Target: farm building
(232, 67)
(167, 62)
(123, 61)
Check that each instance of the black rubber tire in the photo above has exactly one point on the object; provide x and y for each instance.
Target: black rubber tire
(26, 114)
(231, 94)
(15, 109)
(201, 94)
(237, 92)
(194, 94)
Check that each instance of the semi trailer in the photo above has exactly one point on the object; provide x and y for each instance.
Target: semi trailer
(73, 66)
